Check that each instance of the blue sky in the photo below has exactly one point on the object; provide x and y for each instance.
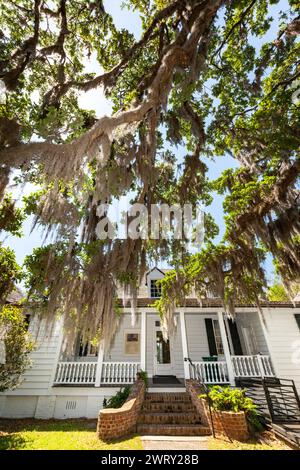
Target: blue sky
(95, 100)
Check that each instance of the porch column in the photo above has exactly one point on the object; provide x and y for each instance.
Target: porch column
(99, 363)
(143, 340)
(184, 345)
(58, 352)
(226, 348)
(263, 323)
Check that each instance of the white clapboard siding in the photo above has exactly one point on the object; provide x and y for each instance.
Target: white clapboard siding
(116, 351)
(251, 319)
(196, 334)
(37, 379)
(284, 339)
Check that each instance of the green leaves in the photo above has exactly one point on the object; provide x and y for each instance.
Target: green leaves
(234, 400)
(10, 272)
(183, 94)
(11, 217)
(18, 346)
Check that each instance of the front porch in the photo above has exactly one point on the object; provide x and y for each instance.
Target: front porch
(206, 338)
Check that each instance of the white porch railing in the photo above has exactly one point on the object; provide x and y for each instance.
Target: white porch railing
(84, 373)
(210, 372)
(75, 373)
(252, 366)
(243, 366)
(119, 372)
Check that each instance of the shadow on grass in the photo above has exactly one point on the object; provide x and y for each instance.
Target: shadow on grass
(12, 442)
(21, 425)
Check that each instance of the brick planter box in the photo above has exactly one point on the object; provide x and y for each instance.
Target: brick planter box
(115, 423)
(225, 423)
(231, 425)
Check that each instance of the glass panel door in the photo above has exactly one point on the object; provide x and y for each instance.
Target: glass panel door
(162, 349)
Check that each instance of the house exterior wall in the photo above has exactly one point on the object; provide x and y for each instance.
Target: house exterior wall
(116, 352)
(251, 319)
(37, 398)
(283, 336)
(38, 378)
(196, 334)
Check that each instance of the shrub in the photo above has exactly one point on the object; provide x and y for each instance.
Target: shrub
(233, 399)
(118, 399)
(18, 346)
(143, 375)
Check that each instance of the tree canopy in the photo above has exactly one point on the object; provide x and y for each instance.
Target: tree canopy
(203, 75)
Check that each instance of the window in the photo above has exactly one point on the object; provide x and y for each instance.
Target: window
(210, 294)
(297, 318)
(249, 340)
(163, 354)
(155, 290)
(27, 321)
(218, 339)
(132, 343)
(87, 350)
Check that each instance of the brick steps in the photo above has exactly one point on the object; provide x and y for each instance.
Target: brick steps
(169, 418)
(170, 414)
(166, 407)
(173, 430)
(164, 397)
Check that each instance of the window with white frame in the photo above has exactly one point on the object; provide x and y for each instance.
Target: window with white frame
(218, 338)
(155, 289)
(132, 342)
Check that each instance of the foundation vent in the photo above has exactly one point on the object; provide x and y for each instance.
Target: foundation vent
(71, 405)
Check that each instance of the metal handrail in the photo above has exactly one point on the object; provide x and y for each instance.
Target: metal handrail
(206, 390)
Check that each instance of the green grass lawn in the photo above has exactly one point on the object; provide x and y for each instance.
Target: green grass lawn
(77, 434)
(28, 434)
(264, 441)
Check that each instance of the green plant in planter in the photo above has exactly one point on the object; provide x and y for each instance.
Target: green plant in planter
(233, 399)
(118, 399)
(143, 375)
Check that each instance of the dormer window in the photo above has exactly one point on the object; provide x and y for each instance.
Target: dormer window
(152, 278)
(155, 289)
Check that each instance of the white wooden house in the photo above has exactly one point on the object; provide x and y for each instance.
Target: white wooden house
(223, 351)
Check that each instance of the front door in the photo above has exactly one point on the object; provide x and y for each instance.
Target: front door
(163, 363)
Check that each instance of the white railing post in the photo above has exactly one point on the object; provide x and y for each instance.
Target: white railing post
(184, 345)
(143, 340)
(99, 363)
(260, 365)
(226, 348)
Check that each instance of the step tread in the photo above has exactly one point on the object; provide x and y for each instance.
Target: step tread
(173, 425)
(180, 413)
(173, 429)
(166, 398)
(173, 405)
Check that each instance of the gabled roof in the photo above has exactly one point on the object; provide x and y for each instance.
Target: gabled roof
(163, 272)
